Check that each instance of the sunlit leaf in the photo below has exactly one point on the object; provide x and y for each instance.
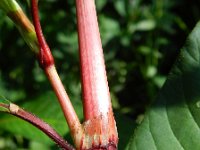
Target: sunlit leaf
(173, 121)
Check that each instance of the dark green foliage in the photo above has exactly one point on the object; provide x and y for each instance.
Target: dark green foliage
(141, 39)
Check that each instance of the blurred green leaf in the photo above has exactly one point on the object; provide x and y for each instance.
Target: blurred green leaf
(173, 121)
(100, 4)
(37, 145)
(120, 7)
(144, 25)
(109, 28)
(151, 71)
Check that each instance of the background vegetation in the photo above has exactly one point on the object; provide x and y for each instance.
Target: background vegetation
(141, 39)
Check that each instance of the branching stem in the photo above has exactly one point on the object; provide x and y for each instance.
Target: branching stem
(47, 64)
(37, 122)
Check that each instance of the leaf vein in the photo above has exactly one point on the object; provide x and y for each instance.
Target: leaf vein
(192, 57)
(152, 133)
(172, 129)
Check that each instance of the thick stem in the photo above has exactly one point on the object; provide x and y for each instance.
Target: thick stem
(100, 128)
(94, 81)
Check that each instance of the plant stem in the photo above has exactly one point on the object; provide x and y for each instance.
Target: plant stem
(45, 56)
(16, 14)
(95, 87)
(37, 122)
(64, 100)
(47, 64)
(100, 127)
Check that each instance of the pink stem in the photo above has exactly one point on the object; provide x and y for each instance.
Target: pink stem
(94, 80)
(99, 128)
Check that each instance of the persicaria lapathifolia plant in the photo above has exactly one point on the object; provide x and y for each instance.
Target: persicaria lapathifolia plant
(98, 131)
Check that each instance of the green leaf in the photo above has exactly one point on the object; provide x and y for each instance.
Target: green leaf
(173, 121)
(144, 25)
(109, 28)
(100, 4)
(47, 108)
(120, 7)
(36, 145)
(124, 132)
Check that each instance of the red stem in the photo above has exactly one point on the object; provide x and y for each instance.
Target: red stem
(47, 63)
(45, 56)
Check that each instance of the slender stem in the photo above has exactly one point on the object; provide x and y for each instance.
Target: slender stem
(47, 63)
(37, 25)
(63, 98)
(45, 56)
(37, 122)
(16, 14)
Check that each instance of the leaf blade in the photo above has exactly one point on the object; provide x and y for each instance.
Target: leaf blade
(173, 121)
